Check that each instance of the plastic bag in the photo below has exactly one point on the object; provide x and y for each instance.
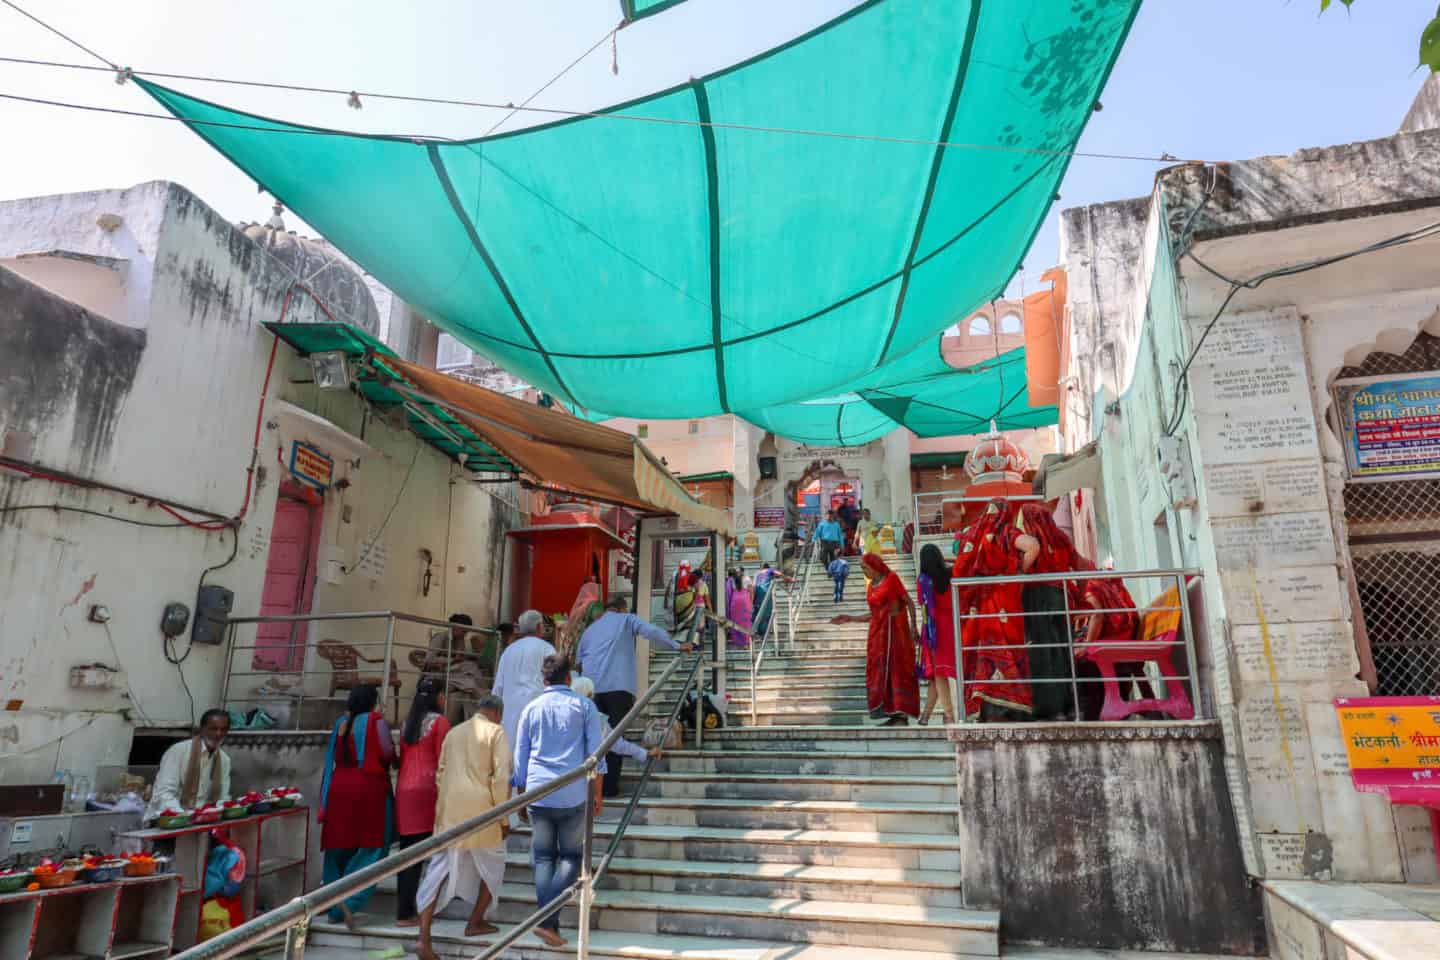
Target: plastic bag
(214, 919)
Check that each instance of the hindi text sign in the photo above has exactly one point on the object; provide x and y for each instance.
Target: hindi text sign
(1391, 741)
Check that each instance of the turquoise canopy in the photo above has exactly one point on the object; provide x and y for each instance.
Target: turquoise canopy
(639, 9)
(801, 225)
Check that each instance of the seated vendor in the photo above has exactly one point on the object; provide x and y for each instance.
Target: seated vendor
(194, 772)
(466, 673)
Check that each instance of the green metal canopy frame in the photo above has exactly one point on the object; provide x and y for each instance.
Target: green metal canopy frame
(800, 225)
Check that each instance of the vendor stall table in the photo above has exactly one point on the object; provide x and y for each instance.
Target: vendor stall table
(120, 920)
(276, 847)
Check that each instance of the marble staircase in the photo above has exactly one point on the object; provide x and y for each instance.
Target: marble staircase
(810, 836)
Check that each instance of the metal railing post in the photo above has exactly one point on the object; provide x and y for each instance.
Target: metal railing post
(586, 881)
(959, 705)
(1192, 663)
(295, 940)
(385, 669)
(229, 665)
(1070, 646)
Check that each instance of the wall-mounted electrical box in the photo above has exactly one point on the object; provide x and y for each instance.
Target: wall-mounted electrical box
(212, 614)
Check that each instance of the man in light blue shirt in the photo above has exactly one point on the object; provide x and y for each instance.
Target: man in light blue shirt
(556, 732)
(830, 536)
(606, 654)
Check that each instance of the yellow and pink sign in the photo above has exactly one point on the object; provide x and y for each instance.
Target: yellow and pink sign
(1391, 741)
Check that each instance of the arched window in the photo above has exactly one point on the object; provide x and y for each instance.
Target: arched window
(980, 325)
(1010, 323)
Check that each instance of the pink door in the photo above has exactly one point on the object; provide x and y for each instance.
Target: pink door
(289, 580)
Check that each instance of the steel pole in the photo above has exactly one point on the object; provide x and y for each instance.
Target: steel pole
(959, 700)
(385, 668)
(1070, 646)
(295, 940)
(586, 881)
(1192, 663)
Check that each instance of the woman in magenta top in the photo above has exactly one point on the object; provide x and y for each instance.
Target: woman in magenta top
(415, 789)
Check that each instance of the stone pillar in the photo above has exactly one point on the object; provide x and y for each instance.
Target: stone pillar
(1286, 635)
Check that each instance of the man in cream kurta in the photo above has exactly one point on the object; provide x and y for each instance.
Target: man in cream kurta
(473, 776)
(193, 772)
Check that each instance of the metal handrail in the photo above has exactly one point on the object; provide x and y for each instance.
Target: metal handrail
(1181, 576)
(294, 917)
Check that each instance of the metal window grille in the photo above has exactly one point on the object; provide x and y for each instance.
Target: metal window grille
(1394, 536)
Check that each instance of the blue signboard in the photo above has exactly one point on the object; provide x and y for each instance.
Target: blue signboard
(1391, 425)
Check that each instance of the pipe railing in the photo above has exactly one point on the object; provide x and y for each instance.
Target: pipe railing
(388, 663)
(1185, 636)
(293, 919)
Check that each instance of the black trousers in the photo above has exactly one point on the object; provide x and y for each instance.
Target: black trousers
(614, 704)
(407, 882)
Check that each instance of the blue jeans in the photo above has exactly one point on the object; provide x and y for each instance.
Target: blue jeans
(556, 844)
(840, 588)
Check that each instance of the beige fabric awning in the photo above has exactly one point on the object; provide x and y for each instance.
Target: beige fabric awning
(559, 452)
(1059, 475)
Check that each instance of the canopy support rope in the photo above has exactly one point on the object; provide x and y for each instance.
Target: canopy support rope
(961, 70)
(712, 184)
(438, 163)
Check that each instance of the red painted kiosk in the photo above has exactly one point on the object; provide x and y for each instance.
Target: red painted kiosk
(997, 468)
(569, 545)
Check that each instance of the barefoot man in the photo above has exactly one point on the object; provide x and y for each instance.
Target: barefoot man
(473, 776)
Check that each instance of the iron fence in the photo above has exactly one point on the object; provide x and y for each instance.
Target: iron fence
(1101, 673)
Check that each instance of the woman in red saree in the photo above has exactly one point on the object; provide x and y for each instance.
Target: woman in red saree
(991, 618)
(891, 685)
(1118, 625)
(1045, 548)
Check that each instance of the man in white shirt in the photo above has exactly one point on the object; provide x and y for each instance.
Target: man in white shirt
(517, 677)
(194, 772)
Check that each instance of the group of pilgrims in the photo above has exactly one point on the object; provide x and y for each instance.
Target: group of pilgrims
(1016, 642)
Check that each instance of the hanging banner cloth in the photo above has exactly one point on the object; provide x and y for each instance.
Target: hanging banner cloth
(554, 450)
(773, 232)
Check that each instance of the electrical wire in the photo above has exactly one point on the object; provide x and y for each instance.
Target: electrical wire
(119, 665)
(604, 114)
(58, 32)
(555, 79)
(399, 495)
(178, 660)
(59, 508)
(1180, 400)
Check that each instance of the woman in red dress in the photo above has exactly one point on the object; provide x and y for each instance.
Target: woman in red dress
(355, 796)
(1118, 625)
(415, 788)
(1001, 667)
(892, 688)
(937, 637)
(1045, 548)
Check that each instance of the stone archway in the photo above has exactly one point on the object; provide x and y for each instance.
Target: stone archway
(792, 488)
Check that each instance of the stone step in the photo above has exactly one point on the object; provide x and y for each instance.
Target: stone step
(857, 738)
(878, 816)
(808, 763)
(850, 674)
(916, 788)
(779, 716)
(769, 880)
(796, 695)
(836, 848)
(889, 925)
(379, 934)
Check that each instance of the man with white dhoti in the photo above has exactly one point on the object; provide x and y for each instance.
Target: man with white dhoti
(473, 776)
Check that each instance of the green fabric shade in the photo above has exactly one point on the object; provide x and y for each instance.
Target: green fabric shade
(681, 266)
(639, 9)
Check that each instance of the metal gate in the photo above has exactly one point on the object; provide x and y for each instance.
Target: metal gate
(1394, 536)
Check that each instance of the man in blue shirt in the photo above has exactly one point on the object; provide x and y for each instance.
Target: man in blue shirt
(556, 732)
(838, 571)
(606, 654)
(830, 536)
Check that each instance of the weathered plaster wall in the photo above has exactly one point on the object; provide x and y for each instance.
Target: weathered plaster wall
(1267, 525)
(164, 401)
(1111, 840)
(1424, 113)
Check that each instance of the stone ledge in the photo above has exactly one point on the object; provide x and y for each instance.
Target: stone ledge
(1085, 732)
